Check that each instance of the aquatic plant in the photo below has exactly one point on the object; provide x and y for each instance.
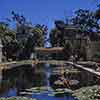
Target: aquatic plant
(48, 90)
(17, 98)
(88, 93)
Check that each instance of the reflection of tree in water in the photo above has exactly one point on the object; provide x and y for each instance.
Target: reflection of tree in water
(39, 78)
(21, 78)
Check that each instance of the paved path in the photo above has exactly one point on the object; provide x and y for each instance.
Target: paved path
(79, 65)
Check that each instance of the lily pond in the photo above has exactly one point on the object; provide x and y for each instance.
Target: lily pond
(41, 82)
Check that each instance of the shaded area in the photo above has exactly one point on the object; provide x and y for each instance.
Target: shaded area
(17, 80)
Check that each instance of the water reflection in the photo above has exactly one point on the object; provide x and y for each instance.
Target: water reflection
(17, 81)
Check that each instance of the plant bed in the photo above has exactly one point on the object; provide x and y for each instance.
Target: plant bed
(88, 93)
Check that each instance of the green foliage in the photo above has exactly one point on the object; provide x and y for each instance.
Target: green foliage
(6, 31)
(85, 19)
(33, 36)
(7, 37)
(20, 44)
(88, 93)
(97, 55)
(38, 35)
(56, 38)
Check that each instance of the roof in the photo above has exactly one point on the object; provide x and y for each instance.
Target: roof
(49, 50)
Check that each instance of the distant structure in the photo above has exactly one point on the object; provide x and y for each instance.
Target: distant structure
(43, 52)
(82, 45)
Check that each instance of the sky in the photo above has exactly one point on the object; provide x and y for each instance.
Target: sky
(44, 11)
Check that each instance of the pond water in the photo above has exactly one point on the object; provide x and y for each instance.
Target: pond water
(39, 96)
(33, 82)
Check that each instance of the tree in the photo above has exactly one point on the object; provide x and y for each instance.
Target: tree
(7, 37)
(58, 39)
(87, 22)
(55, 37)
(39, 35)
(57, 34)
(28, 36)
(97, 12)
